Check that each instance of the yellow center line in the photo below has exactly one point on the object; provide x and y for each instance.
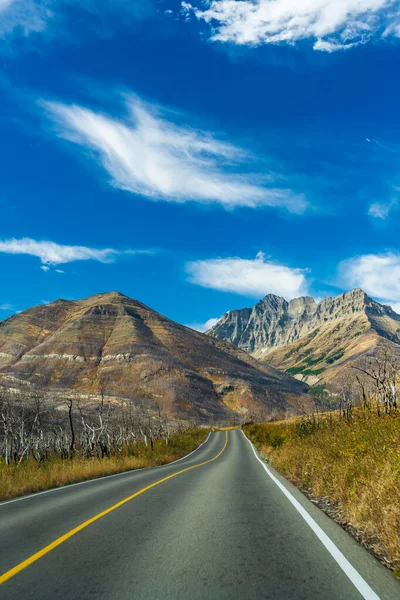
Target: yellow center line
(68, 535)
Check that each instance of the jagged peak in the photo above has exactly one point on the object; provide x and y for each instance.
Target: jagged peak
(273, 301)
(357, 293)
(274, 321)
(356, 299)
(273, 297)
(302, 305)
(303, 298)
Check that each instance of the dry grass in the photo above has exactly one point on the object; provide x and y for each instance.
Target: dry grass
(356, 465)
(30, 476)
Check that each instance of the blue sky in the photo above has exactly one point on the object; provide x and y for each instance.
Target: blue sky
(197, 156)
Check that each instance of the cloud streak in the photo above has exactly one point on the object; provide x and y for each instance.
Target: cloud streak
(381, 210)
(59, 16)
(52, 254)
(331, 24)
(149, 154)
(25, 16)
(6, 306)
(256, 277)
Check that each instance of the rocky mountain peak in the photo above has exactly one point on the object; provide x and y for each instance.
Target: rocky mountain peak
(274, 322)
(301, 307)
(356, 298)
(272, 301)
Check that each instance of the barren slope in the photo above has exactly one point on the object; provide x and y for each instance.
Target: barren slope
(117, 345)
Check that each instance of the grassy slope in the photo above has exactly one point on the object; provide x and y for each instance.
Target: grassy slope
(30, 476)
(325, 351)
(354, 465)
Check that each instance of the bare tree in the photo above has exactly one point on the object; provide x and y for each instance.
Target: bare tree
(384, 371)
(32, 427)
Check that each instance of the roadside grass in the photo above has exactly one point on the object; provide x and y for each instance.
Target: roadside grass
(354, 464)
(30, 476)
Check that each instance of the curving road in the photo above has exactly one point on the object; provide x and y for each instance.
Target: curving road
(217, 524)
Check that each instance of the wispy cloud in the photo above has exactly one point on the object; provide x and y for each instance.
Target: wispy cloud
(150, 154)
(203, 327)
(381, 210)
(25, 16)
(52, 254)
(6, 306)
(256, 277)
(4, 4)
(377, 274)
(331, 24)
(58, 17)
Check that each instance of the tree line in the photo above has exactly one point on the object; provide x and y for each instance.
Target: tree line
(32, 428)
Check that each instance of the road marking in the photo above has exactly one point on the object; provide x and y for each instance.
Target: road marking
(359, 583)
(21, 566)
(129, 472)
(187, 455)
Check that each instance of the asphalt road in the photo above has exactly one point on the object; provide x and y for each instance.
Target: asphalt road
(222, 530)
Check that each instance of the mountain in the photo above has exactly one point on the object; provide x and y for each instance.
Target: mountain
(311, 341)
(110, 344)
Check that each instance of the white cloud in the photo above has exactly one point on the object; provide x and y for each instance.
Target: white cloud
(330, 24)
(51, 253)
(377, 274)
(325, 46)
(149, 154)
(395, 306)
(59, 271)
(6, 306)
(381, 210)
(256, 277)
(211, 323)
(45, 268)
(203, 327)
(26, 16)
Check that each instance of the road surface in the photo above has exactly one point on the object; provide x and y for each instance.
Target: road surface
(213, 525)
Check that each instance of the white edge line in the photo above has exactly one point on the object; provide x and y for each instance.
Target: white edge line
(129, 472)
(359, 583)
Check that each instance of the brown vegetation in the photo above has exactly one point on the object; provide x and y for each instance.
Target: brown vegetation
(30, 476)
(351, 459)
(41, 447)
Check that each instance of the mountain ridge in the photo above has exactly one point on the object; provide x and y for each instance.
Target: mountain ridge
(112, 343)
(309, 331)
